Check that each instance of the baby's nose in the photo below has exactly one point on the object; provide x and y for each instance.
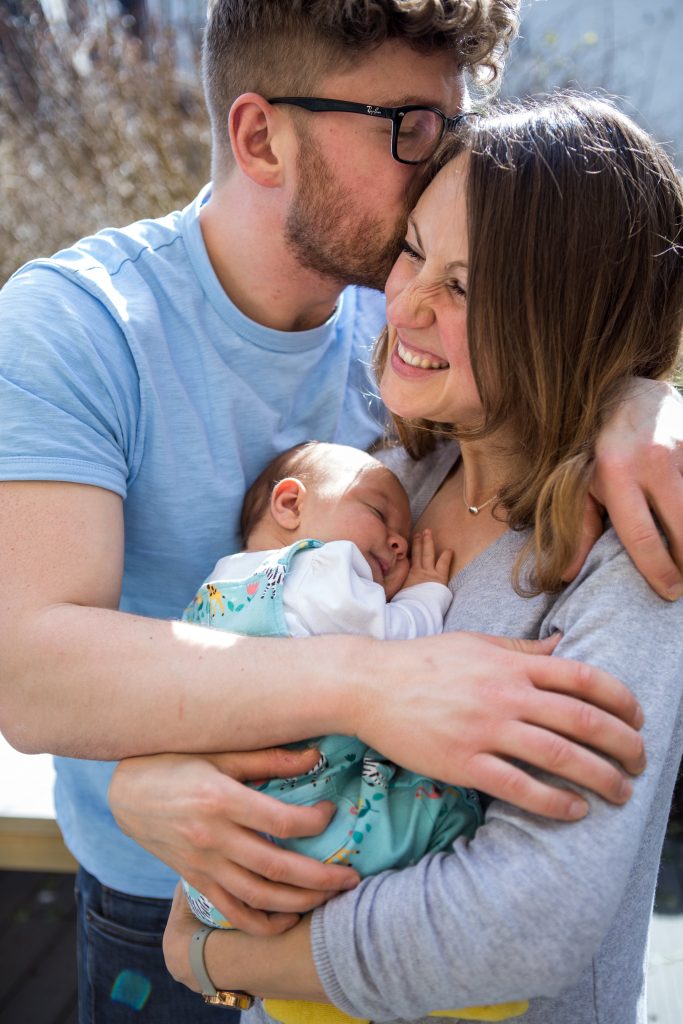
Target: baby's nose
(398, 544)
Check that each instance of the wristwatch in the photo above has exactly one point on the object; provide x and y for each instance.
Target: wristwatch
(212, 995)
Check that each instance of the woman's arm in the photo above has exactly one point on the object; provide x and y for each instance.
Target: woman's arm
(235, 961)
(521, 909)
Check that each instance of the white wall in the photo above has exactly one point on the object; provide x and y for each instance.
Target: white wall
(631, 48)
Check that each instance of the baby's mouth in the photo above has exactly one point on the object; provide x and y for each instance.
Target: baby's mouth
(422, 360)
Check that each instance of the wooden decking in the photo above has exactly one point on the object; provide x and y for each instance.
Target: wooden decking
(37, 948)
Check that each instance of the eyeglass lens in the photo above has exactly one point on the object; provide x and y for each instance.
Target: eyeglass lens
(418, 134)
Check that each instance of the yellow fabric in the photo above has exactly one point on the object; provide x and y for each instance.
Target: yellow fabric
(296, 1012)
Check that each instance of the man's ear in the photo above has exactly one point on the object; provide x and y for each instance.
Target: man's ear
(259, 136)
(287, 502)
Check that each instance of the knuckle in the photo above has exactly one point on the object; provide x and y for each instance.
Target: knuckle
(197, 835)
(584, 679)
(659, 458)
(613, 463)
(280, 823)
(589, 719)
(558, 752)
(252, 896)
(644, 535)
(513, 785)
(275, 869)
(209, 801)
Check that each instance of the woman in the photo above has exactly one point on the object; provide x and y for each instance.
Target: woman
(541, 269)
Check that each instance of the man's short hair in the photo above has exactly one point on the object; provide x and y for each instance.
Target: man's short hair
(285, 47)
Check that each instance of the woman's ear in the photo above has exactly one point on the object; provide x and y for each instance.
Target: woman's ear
(258, 135)
(287, 502)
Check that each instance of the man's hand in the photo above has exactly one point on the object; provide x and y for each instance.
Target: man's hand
(638, 467)
(196, 815)
(463, 707)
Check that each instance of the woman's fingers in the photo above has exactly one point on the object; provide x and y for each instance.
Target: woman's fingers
(271, 763)
(285, 868)
(252, 886)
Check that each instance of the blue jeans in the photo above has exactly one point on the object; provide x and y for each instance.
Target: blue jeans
(122, 977)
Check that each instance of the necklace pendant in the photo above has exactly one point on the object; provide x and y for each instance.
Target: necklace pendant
(473, 510)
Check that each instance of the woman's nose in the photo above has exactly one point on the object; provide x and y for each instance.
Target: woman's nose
(410, 308)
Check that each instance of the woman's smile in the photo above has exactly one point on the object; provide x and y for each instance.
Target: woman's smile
(416, 357)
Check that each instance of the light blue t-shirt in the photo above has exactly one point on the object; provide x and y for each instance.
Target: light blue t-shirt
(125, 365)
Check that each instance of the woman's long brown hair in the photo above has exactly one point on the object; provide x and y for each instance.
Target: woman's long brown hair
(575, 220)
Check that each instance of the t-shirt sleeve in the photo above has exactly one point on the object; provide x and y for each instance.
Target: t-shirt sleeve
(526, 903)
(331, 590)
(69, 388)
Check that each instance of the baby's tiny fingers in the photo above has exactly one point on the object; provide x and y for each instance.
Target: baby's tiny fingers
(443, 563)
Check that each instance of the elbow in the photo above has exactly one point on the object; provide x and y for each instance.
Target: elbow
(17, 725)
(20, 708)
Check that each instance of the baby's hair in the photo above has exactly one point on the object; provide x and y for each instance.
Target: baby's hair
(301, 461)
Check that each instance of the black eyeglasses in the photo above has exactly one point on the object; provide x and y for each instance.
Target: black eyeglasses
(415, 131)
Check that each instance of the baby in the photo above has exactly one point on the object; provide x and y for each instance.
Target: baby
(326, 530)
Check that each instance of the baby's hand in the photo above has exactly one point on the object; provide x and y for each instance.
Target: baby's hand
(425, 567)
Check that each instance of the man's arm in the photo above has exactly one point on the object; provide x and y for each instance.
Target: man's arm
(638, 478)
(526, 904)
(82, 679)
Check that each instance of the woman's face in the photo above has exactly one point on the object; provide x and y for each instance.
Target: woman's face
(428, 372)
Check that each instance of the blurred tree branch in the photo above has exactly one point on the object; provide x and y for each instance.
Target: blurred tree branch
(97, 128)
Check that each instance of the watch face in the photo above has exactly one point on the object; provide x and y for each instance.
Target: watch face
(236, 1000)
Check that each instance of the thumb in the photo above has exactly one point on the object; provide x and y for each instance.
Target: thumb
(271, 763)
(521, 646)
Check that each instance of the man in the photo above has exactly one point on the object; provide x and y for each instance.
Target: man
(148, 375)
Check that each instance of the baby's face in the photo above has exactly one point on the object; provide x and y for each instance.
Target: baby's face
(370, 508)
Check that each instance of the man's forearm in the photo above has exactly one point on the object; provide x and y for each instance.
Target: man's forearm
(96, 683)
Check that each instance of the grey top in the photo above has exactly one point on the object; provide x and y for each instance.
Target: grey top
(529, 908)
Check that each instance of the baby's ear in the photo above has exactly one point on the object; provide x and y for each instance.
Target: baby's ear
(287, 502)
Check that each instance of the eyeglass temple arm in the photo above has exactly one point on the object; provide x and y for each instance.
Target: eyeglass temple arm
(342, 106)
(453, 122)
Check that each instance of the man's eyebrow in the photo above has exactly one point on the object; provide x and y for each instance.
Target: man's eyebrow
(406, 101)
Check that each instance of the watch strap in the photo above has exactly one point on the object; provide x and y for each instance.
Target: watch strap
(216, 997)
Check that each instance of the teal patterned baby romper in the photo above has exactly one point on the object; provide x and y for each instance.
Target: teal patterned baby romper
(387, 817)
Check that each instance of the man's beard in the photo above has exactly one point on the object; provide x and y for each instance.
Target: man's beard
(326, 232)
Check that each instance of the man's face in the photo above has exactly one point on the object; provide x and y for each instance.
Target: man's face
(348, 213)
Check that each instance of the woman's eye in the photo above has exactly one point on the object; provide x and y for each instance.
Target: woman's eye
(411, 253)
(457, 289)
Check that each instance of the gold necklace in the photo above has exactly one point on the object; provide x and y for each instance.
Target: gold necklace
(474, 510)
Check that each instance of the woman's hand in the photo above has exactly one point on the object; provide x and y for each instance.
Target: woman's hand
(194, 813)
(280, 966)
(638, 467)
(180, 927)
